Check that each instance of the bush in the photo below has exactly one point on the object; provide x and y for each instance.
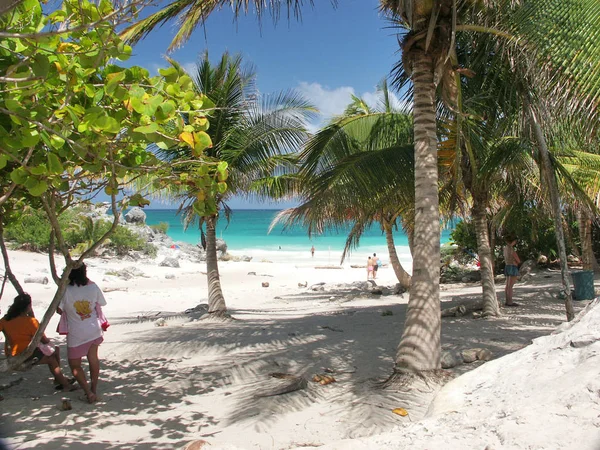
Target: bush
(162, 228)
(33, 229)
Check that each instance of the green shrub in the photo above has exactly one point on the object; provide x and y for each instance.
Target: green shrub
(33, 229)
(162, 227)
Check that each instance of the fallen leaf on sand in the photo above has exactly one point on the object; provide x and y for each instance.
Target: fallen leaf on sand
(400, 411)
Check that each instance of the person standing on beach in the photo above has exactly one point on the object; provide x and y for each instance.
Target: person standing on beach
(81, 303)
(369, 268)
(376, 263)
(312, 251)
(511, 269)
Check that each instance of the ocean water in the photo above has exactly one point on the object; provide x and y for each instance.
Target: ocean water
(247, 233)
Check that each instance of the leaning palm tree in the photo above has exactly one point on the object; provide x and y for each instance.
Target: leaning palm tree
(358, 170)
(253, 136)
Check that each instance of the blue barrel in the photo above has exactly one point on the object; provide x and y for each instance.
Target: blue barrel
(583, 282)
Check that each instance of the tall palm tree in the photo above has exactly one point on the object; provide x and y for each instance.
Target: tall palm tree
(429, 61)
(359, 169)
(253, 135)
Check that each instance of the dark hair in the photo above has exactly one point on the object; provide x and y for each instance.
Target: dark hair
(78, 276)
(374, 254)
(20, 304)
(509, 238)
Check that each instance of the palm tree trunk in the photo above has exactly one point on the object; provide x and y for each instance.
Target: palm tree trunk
(216, 301)
(401, 274)
(585, 235)
(490, 301)
(550, 177)
(420, 347)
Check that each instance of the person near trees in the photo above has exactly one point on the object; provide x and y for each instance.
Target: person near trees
(19, 325)
(376, 264)
(511, 269)
(81, 307)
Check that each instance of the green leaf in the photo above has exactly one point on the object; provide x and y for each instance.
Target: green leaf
(38, 170)
(56, 141)
(38, 189)
(147, 129)
(202, 141)
(138, 200)
(3, 161)
(221, 187)
(108, 124)
(54, 163)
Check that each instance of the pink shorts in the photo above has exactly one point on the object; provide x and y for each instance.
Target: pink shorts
(82, 350)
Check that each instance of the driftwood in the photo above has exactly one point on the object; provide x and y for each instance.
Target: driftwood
(293, 383)
(462, 309)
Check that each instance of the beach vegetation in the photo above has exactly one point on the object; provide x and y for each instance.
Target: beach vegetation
(253, 137)
(161, 227)
(356, 171)
(74, 123)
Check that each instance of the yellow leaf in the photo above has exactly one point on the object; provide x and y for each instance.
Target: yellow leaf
(187, 137)
(400, 411)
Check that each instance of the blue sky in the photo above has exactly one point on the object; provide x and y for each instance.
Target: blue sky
(327, 56)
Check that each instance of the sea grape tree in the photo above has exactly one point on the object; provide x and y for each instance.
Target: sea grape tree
(74, 123)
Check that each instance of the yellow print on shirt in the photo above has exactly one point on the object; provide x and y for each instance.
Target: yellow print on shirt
(83, 308)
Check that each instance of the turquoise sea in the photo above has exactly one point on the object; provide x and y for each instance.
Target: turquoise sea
(247, 233)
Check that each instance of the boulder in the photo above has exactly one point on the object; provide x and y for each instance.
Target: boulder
(170, 276)
(470, 355)
(265, 284)
(221, 246)
(136, 215)
(246, 258)
(484, 354)
(169, 262)
(450, 360)
(399, 289)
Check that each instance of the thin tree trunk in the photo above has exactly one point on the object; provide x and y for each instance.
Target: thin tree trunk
(550, 177)
(7, 270)
(490, 301)
(401, 274)
(420, 346)
(585, 234)
(216, 301)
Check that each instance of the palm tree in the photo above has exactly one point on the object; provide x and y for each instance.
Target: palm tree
(252, 136)
(429, 61)
(359, 169)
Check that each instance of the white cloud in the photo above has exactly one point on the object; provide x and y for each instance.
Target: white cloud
(329, 102)
(332, 102)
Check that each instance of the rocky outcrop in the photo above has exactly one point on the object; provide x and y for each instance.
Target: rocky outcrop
(136, 215)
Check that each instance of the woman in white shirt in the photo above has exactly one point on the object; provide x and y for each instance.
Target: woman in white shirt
(81, 304)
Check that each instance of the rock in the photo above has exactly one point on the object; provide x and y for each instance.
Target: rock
(246, 258)
(160, 322)
(542, 260)
(201, 308)
(572, 259)
(484, 354)
(38, 280)
(399, 289)
(527, 267)
(136, 215)
(303, 285)
(221, 246)
(169, 262)
(450, 360)
(470, 355)
(317, 288)
(251, 273)
(477, 314)
(265, 284)
(170, 276)
(376, 291)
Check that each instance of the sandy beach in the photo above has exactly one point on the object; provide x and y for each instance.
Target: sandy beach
(168, 378)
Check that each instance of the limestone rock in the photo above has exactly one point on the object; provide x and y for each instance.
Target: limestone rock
(527, 267)
(484, 354)
(470, 355)
(169, 262)
(136, 215)
(170, 276)
(221, 246)
(450, 360)
(246, 258)
(265, 284)
(38, 280)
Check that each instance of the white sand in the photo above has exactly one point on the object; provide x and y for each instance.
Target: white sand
(162, 387)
